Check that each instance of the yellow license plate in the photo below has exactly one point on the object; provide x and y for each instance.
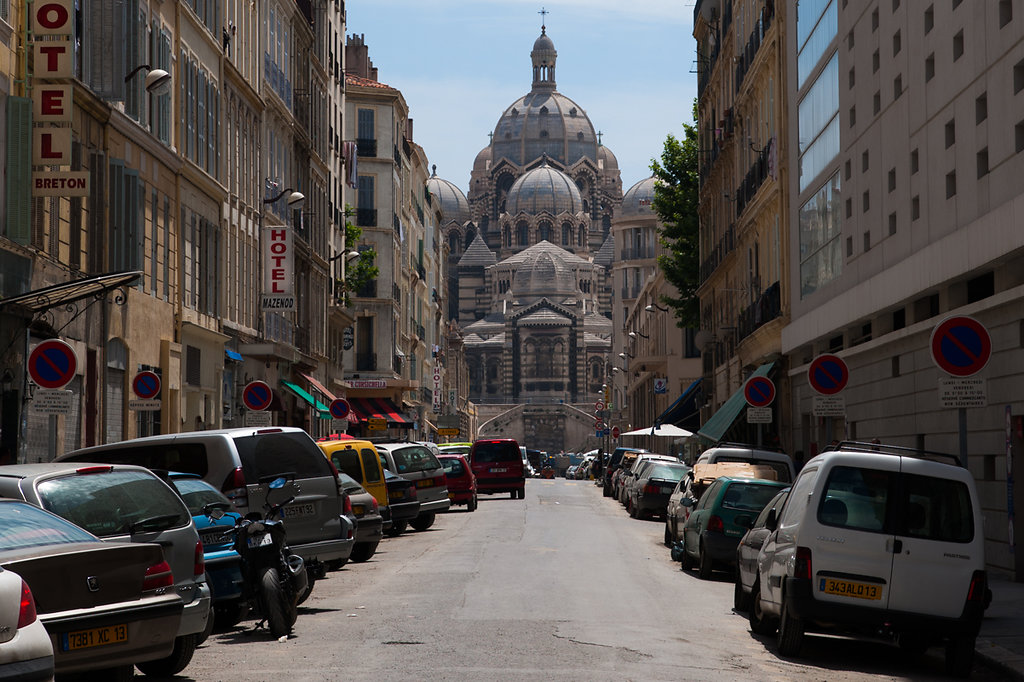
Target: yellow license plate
(86, 639)
(425, 483)
(397, 494)
(848, 588)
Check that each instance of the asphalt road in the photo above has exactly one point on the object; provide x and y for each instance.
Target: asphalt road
(560, 586)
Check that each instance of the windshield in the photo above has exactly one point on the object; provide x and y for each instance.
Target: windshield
(452, 466)
(24, 525)
(415, 458)
(197, 493)
(111, 503)
(748, 496)
(667, 472)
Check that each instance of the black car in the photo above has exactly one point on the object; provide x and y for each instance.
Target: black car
(402, 501)
(614, 462)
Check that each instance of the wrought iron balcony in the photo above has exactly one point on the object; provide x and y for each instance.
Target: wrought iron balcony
(366, 147)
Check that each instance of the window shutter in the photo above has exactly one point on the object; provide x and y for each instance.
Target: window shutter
(103, 67)
(19, 169)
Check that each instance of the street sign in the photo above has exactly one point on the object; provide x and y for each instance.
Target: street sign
(447, 432)
(146, 385)
(615, 432)
(340, 408)
(376, 424)
(961, 346)
(759, 415)
(52, 364)
(828, 374)
(52, 401)
(598, 406)
(661, 385)
(257, 395)
(963, 392)
(759, 392)
(829, 406)
(258, 418)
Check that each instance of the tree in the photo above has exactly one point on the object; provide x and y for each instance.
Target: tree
(675, 201)
(360, 271)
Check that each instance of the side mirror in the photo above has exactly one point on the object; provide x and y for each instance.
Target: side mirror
(215, 510)
(772, 520)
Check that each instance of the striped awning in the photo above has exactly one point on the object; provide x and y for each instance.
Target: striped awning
(378, 408)
(315, 383)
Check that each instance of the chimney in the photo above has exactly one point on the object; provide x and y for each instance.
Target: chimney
(408, 129)
(357, 58)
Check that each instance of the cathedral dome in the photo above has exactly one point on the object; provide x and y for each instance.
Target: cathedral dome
(543, 189)
(543, 270)
(637, 199)
(606, 158)
(483, 160)
(454, 205)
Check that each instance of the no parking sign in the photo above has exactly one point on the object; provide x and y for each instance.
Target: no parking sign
(52, 364)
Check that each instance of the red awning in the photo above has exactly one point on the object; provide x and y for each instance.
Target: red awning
(381, 408)
(318, 386)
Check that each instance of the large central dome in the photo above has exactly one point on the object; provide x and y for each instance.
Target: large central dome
(544, 189)
(544, 121)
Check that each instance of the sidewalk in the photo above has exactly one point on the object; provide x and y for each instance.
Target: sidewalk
(1001, 640)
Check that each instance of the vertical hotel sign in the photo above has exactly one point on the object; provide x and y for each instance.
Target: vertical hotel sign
(53, 101)
(278, 265)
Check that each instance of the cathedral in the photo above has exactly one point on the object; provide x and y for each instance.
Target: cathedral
(531, 250)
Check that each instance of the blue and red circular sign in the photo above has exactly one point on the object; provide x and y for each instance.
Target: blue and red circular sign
(146, 385)
(52, 364)
(961, 346)
(759, 391)
(340, 408)
(257, 395)
(828, 374)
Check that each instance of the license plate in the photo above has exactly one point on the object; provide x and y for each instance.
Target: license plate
(847, 588)
(86, 639)
(668, 490)
(260, 540)
(425, 483)
(397, 494)
(358, 509)
(214, 538)
(295, 510)
(451, 496)
(501, 470)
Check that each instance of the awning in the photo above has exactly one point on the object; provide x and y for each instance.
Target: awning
(379, 408)
(324, 410)
(715, 427)
(684, 411)
(69, 292)
(232, 355)
(318, 386)
(665, 430)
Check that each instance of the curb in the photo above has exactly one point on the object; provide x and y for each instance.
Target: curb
(999, 657)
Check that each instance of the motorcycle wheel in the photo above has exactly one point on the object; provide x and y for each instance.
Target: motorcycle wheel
(274, 607)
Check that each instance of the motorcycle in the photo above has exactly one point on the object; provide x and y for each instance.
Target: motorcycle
(273, 577)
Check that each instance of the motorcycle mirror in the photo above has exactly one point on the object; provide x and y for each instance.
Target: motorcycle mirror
(278, 482)
(215, 510)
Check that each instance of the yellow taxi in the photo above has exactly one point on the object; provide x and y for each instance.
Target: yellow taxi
(358, 459)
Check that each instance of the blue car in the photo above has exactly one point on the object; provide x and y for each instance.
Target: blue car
(223, 565)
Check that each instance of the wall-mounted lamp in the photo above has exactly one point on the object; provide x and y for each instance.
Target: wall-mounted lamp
(295, 199)
(158, 81)
(348, 256)
(633, 335)
(650, 308)
(626, 355)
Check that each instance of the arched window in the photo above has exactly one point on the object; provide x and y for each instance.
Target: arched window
(545, 230)
(453, 242)
(580, 237)
(566, 234)
(522, 233)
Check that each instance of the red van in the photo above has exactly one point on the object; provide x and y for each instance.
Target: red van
(498, 467)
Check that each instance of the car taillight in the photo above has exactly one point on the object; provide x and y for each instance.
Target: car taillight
(198, 562)
(411, 492)
(376, 507)
(27, 612)
(234, 488)
(652, 489)
(715, 524)
(158, 575)
(977, 589)
(346, 505)
(101, 469)
(802, 568)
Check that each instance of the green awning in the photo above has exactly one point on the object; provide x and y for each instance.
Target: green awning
(714, 428)
(324, 410)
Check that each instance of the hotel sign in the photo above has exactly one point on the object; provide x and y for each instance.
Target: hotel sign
(278, 265)
(53, 102)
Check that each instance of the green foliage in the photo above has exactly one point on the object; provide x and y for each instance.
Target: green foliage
(360, 271)
(675, 201)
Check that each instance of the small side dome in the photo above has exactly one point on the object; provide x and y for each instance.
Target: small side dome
(454, 205)
(483, 159)
(544, 189)
(604, 154)
(637, 199)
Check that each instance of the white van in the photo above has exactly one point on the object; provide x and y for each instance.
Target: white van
(876, 539)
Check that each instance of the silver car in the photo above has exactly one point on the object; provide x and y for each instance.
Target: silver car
(415, 462)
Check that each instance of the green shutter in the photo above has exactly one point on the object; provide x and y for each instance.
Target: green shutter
(19, 169)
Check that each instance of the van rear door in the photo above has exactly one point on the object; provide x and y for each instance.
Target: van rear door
(939, 535)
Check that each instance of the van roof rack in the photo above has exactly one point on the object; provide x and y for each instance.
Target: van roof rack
(901, 450)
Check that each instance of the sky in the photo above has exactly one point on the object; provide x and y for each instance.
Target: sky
(460, 63)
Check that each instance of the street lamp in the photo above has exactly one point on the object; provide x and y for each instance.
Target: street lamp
(627, 355)
(650, 308)
(158, 81)
(633, 335)
(295, 199)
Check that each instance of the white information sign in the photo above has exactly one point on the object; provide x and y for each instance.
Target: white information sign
(144, 405)
(829, 406)
(339, 425)
(759, 415)
(260, 418)
(963, 392)
(52, 400)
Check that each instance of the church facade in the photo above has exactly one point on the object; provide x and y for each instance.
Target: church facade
(530, 257)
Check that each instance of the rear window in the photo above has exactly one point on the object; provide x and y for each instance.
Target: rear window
(269, 454)
(667, 472)
(899, 504)
(452, 466)
(748, 496)
(496, 452)
(412, 459)
(196, 494)
(114, 503)
(188, 458)
(454, 449)
(346, 460)
(24, 525)
(781, 469)
(370, 465)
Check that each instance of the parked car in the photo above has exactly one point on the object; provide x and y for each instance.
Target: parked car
(461, 481)
(748, 549)
(684, 498)
(497, 464)
(107, 606)
(126, 503)
(223, 564)
(233, 461)
(629, 476)
(369, 524)
(25, 652)
(724, 512)
(360, 460)
(780, 462)
(613, 464)
(403, 501)
(415, 462)
(454, 448)
(876, 539)
(570, 473)
(654, 484)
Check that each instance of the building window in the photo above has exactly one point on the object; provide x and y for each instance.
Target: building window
(867, 242)
(892, 179)
(820, 238)
(897, 43)
(913, 162)
(1005, 12)
(892, 224)
(865, 161)
(915, 208)
(1018, 76)
(929, 19)
(958, 45)
(950, 184)
(876, 62)
(983, 163)
(950, 133)
(897, 87)
(929, 67)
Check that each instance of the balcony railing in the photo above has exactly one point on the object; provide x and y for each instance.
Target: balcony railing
(398, 157)
(300, 108)
(755, 177)
(366, 362)
(639, 252)
(767, 307)
(746, 58)
(726, 244)
(396, 292)
(368, 290)
(630, 292)
(366, 147)
(366, 217)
